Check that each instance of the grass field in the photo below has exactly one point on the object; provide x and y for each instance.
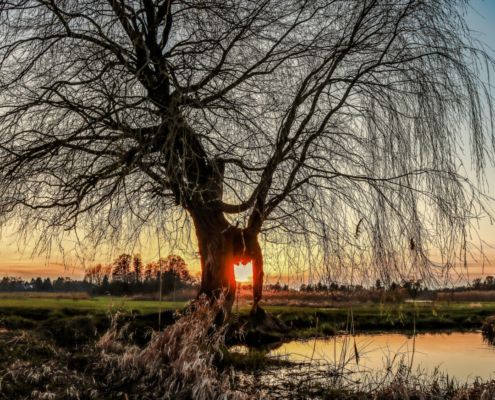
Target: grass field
(98, 304)
(24, 312)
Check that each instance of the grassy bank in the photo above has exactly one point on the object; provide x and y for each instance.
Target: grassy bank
(370, 317)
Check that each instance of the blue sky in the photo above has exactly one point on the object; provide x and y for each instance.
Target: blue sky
(481, 19)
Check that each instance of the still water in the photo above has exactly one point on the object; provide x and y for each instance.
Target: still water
(464, 356)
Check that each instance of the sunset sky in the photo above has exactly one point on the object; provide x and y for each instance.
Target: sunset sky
(481, 18)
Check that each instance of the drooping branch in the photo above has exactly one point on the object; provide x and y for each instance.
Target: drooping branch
(293, 118)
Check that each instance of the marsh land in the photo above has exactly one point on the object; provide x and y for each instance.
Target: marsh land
(18, 311)
(39, 330)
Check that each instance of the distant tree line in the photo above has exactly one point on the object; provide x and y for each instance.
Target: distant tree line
(61, 284)
(127, 275)
(413, 287)
(488, 284)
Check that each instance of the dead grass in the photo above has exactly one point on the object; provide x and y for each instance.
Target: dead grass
(471, 296)
(176, 364)
(180, 296)
(293, 298)
(38, 295)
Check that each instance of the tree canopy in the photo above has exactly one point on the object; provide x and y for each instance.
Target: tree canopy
(333, 126)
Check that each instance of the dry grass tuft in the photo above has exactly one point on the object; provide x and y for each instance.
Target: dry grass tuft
(488, 327)
(176, 364)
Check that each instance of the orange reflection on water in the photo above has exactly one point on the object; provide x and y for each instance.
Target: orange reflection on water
(463, 355)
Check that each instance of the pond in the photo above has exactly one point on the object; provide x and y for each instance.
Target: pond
(464, 356)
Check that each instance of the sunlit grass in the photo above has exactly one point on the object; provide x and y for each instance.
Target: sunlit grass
(367, 317)
(96, 304)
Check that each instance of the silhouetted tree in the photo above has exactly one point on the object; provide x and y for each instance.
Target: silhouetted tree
(58, 284)
(477, 285)
(336, 123)
(122, 267)
(38, 284)
(137, 267)
(276, 287)
(149, 270)
(4, 284)
(176, 265)
(489, 282)
(413, 287)
(105, 285)
(95, 275)
(47, 285)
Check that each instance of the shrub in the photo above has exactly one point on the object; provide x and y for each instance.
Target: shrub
(14, 323)
(75, 330)
(488, 327)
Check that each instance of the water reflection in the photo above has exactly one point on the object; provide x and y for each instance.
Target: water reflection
(463, 355)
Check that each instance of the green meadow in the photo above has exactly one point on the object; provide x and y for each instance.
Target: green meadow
(24, 312)
(99, 304)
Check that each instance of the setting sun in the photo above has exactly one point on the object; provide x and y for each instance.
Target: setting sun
(243, 273)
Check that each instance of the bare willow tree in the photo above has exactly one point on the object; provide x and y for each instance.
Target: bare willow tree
(333, 124)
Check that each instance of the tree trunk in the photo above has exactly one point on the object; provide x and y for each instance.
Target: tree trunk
(215, 242)
(221, 246)
(260, 319)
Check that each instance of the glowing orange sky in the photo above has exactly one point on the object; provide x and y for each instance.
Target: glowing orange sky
(15, 263)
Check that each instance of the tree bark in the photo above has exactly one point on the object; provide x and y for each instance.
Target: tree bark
(215, 242)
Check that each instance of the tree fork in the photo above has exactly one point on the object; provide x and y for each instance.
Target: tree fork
(221, 246)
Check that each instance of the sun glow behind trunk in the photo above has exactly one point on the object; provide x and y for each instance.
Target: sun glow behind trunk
(243, 273)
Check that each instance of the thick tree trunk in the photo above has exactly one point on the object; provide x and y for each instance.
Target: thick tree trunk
(215, 241)
(221, 246)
